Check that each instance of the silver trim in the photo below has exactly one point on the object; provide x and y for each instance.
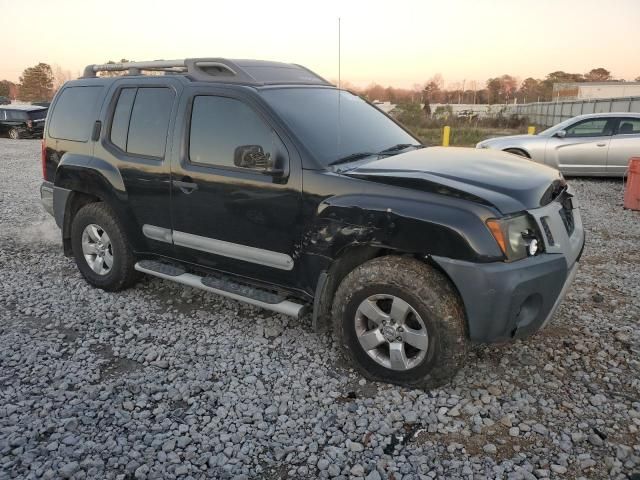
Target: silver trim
(285, 307)
(245, 253)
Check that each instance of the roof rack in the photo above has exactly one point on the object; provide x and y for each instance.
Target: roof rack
(251, 72)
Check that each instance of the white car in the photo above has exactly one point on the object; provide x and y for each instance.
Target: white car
(599, 144)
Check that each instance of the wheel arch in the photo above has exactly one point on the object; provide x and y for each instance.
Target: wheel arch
(349, 259)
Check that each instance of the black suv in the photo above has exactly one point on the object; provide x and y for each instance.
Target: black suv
(20, 121)
(262, 182)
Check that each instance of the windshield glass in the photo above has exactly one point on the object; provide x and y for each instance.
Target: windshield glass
(334, 124)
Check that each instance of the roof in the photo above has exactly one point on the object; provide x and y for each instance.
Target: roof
(221, 70)
(24, 108)
(612, 83)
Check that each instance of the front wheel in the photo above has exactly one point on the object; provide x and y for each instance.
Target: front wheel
(100, 248)
(400, 321)
(14, 134)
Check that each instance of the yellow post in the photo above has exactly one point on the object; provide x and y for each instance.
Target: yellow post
(446, 133)
(531, 130)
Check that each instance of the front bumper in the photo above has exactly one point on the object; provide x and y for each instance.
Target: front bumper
(513, 300)
(46, 196)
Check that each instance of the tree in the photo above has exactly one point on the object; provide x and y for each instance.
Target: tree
(558, 77)
(431, 91)
(637, 79)
(60, 76)
(502, 89)
(114, 74)
(6, 87)
(598, 75)
(530, 90)
(36, 83)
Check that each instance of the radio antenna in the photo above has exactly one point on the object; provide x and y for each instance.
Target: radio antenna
(339, 92)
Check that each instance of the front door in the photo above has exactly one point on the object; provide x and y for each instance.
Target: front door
(583, 150)
(624, 145)
(236, 189)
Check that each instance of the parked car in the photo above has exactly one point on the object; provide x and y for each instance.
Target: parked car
(217, 177)
(598, 144)
(467, 114)
(5, 101)
(20, 121)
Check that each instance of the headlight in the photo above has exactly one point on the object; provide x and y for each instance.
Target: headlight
(518, 237)
(482, 145)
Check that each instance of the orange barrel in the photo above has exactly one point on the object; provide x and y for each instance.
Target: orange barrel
(632, 189)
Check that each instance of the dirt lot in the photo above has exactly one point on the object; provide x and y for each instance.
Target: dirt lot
(163, 381)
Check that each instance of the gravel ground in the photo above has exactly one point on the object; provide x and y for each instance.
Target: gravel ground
(163, 381)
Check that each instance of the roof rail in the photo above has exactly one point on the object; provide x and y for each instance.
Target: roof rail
(252, 72)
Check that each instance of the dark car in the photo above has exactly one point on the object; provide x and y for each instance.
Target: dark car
(22, 121)
(262, 182)
(5, 101)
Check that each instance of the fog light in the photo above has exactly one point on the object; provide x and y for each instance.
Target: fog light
(532, 248)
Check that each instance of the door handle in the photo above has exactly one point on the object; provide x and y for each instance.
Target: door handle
(186, 185)
(601, 144)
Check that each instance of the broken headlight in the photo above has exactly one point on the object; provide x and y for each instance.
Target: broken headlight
(518, 237)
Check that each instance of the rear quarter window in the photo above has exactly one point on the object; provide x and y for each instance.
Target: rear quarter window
(74, 113)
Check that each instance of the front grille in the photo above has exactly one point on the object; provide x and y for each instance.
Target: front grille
(547, 230)
(566, 214)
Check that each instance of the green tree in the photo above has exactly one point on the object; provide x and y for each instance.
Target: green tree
(598, 75)
(502, 89)
(36, 83)
(558, 77)
(530, 90)
(5, 88)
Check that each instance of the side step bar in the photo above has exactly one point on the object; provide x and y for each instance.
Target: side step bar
(222, 286)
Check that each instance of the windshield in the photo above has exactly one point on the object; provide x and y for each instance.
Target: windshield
(334, 124)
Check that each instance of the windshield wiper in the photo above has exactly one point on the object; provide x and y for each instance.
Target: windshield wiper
(398, 147)
(352, 157)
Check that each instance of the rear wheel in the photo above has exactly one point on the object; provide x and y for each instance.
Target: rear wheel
(14, 134)
(100, 248)
(400, 321)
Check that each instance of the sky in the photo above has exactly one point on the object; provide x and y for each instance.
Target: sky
(401, 43)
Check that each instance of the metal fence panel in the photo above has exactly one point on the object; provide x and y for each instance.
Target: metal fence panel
(551, 113)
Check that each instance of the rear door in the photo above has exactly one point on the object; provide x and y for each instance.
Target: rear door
(228, 215)
(137, 122)
(624, 145)
(583, 151)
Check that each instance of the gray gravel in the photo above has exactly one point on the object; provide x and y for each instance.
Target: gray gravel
(163, 381)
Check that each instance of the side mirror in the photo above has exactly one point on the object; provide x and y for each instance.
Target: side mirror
(561, 134)
(253, 157)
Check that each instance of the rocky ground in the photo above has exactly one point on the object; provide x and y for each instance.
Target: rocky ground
(163, 381)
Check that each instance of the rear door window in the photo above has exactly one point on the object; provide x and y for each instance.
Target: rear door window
(149, 122)
(75, 113)
(121, 116)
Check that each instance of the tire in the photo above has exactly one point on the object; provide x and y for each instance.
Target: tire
(433, 306)
(88, 230)
(517, 151)
(14, 134)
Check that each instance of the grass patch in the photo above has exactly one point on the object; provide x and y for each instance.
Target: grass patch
(462, 136)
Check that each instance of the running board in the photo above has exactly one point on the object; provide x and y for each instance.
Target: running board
(222, 286)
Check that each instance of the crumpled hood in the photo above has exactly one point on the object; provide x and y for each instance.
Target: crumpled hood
(508, 182)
